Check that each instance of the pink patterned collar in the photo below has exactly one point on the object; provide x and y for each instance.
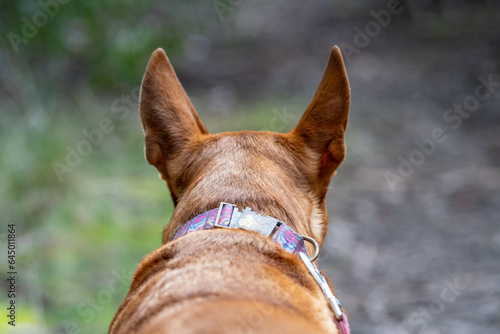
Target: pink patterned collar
(228, 216)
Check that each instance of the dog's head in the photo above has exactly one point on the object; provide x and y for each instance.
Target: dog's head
(282, 175)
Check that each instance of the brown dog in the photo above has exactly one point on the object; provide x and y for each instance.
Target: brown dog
(228, 280)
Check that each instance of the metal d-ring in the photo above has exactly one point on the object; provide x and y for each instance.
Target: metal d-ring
(316, 247)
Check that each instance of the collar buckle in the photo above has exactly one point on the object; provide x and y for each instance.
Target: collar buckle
(252, 221)
(226, 215)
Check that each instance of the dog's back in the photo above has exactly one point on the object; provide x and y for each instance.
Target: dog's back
(227, 280)
(222, 282)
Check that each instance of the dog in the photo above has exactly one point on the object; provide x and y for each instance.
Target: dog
(238, 280)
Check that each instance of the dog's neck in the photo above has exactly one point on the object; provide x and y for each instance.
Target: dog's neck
(266, 187)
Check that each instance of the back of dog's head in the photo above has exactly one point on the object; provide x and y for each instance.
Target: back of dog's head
(283, 175)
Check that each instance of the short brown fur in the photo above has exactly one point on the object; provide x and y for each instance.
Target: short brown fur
(231, 281)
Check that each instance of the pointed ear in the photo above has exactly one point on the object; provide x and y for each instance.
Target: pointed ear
(322, 127)
(169, 119)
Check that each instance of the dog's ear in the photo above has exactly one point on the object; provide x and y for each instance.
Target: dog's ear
(169, 119)
(322, 127)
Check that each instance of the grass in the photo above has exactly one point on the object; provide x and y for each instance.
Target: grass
(80, 239)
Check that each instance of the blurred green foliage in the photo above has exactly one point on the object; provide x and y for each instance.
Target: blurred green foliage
(80, 240)
(99, 43)
(80, 237)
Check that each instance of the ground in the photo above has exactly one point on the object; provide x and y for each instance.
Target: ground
(414, 237)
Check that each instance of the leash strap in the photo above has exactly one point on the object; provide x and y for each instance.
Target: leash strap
(228, 216)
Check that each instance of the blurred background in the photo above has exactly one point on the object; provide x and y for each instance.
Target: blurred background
(414, 240)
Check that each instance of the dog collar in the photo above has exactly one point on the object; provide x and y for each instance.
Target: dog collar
(228, 216)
